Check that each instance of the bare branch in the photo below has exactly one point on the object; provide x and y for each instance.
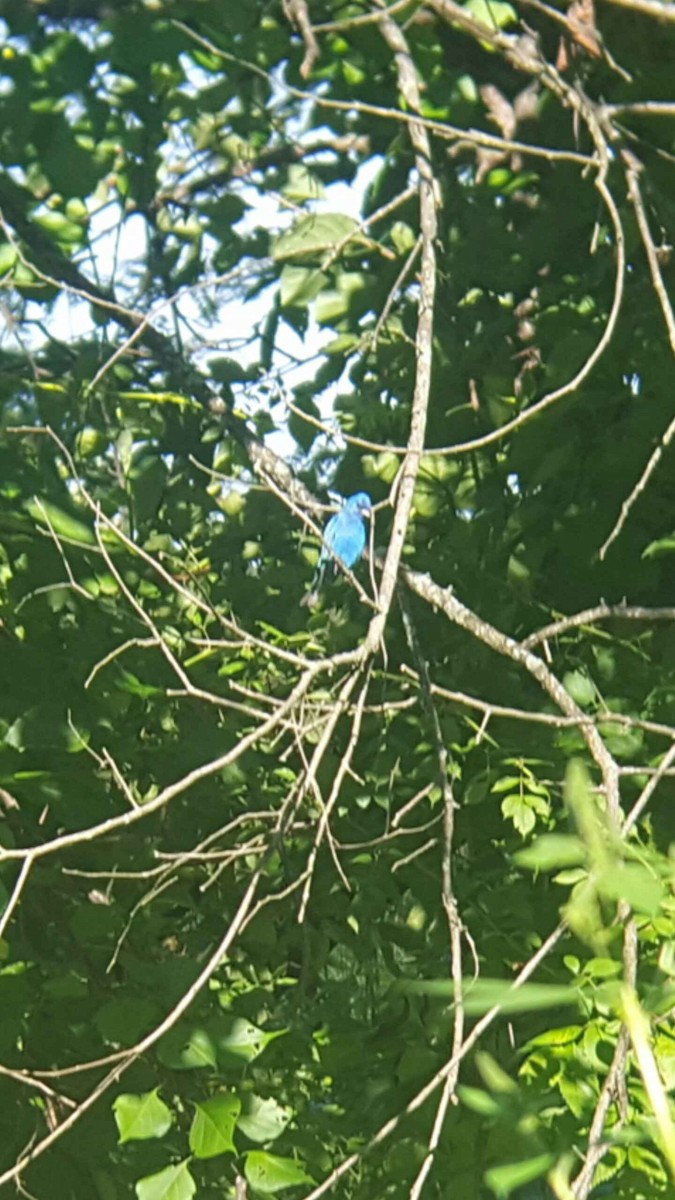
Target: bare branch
(490, 709)
(443, 599)
(447, 896)
(297, 13)
(428, 200)
(648, 790)
(601, 612)
(597, 1148)
(327, 808)
(21, 881)
(660, 10)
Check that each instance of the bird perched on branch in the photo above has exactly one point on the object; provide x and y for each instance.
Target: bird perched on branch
(344, 540)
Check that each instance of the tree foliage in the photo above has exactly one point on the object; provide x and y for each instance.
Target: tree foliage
(373, 899)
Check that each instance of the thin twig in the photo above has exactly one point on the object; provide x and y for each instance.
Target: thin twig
(21, 881)
(661, 10)
(447, 894)
(597, 1147)
(648, 791)
(601, 612)
(321, 747)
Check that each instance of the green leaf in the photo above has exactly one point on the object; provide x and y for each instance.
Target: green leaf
(641, 1158)
(300, 285)
(60, 228)
(63, 524)
(184, 1050)
(584, 915)
(384, 466)
(552, 850)
(142, 1116)
(213, 1125)
(480, 995)
(128, 682)
(268, 1173)
(580, 687)
(505, 1179)
(173, 1183)
(303, 432)
(576, 1093)
(242, 1040)
(494, 1075)
(147, 479)
(667, 958)
(602, 968)
(557, 1037)
(571, 876)
(316, 234)
(587, 816)
(403, 237)
(302, 184)
(493, 14)
(507, 783)
(622, 743)
(662, 545)
(335, 303)
(517, 809)
(479, 1101)
(8, 257)
(635, 884)
(263, 1120)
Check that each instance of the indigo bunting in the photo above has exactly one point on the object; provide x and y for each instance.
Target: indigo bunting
(344, 539)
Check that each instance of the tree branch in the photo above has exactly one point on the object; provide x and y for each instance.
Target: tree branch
(428, 200)
(459, 614)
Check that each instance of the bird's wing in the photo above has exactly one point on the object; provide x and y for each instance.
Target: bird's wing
(349, 539)
(331, 535)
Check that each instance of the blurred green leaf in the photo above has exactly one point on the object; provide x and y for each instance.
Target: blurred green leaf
(480, 995)
(505, 1179)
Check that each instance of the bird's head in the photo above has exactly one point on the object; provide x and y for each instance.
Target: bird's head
(360, 503)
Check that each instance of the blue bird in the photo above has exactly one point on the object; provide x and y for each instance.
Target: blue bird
(344, 539)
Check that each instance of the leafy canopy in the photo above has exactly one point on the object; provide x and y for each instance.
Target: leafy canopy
(376, 896)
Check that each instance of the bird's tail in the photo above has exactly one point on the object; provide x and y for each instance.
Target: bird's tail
(311, 598)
